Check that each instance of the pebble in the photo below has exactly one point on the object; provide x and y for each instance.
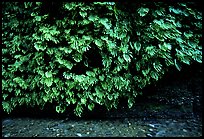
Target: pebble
(7, 135)
(108, 133)
(112, 128)
(66, 131)
(151, 125)
(151, 130)
(142, 130)
(184, 130)
(54, 129)
(79, 134)
(61, 126)
(149, 135)
(167, 121)
(36, 135)
(160, 133)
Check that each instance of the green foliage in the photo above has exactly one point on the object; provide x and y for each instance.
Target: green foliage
(83, 54)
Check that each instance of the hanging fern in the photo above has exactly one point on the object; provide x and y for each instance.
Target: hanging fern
(84, 54)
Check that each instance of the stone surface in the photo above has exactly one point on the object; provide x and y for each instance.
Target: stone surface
(149, 135)
(160, 133)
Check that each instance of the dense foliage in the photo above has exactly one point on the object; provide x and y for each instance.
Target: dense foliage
(84, 54)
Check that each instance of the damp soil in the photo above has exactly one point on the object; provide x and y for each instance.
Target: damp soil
(143, 120)
(125, 127)
(171, 109)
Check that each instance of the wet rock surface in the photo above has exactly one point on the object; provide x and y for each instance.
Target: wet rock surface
(171, 109)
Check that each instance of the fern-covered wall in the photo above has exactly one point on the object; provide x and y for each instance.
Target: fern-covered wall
(82, 54)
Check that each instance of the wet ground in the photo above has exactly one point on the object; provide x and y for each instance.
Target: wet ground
(173, 109)
(125, 127)
(143, 120)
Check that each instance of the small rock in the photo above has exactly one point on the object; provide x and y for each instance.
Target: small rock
(58, 135)
(149, 135)
(7, 135)
(108, 133)
(35, 135)
(87, 133)
(184, 130)
(142, 130)
(66, 131)
(151, 130)
(167, 121)
(79, 134)
(160, 133)
(151, 125)
(53, 129)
